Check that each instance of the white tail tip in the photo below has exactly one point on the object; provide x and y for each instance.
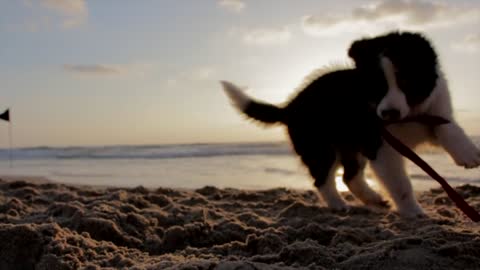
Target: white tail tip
(239, 99)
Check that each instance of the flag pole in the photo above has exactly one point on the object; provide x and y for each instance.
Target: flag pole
(10, 143)
(6, 116)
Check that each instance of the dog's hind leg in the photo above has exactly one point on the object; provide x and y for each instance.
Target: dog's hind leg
(321, 160)
(389, 167)
(354, 178)
(323, 167)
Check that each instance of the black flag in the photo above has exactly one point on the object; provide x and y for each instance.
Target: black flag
(6, 115)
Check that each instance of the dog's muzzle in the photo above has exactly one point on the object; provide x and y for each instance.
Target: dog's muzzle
(390, 114)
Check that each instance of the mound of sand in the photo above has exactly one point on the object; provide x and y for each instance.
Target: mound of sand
(54, 226)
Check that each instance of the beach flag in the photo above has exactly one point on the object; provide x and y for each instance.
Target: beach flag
(6, 117)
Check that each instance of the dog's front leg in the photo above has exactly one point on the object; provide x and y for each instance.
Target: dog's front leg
(454, 140)
(390, 170)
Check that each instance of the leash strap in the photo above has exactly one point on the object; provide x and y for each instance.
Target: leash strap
(454, 196)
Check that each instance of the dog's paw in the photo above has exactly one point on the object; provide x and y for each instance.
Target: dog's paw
(372, 198)
(462, 150)
(384, 204)
(466, 155)
(338, 205)
(375, 200)
(413, 211)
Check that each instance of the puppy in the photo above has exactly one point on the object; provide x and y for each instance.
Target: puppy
(331, 122)
(335, 120)
(416, 86)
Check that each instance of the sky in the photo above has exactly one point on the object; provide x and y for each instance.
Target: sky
(77, 72)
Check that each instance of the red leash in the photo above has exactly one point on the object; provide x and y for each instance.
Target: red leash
(408, 153)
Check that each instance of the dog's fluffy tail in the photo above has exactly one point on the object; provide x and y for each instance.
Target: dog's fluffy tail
(263, 112)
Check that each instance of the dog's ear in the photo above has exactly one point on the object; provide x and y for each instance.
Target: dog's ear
(363, 51)
(357, 48)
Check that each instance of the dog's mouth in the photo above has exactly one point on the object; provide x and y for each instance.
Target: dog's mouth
(390, 115)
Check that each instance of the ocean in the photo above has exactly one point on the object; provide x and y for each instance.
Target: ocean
(244, 165)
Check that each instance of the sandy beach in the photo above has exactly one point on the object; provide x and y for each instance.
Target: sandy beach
(54, 226)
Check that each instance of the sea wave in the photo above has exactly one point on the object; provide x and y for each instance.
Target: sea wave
(147, 151)
(158, 151)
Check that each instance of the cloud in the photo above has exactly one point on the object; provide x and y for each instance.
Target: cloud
(414, 12)
(470, 44)
(138, 69)
(74, 12)
(232, 5)
(327, 25)
(392, 14)
(93, 69)
(262, 36)
(47, 14)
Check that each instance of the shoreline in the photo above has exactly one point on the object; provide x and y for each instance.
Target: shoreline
(420, 184)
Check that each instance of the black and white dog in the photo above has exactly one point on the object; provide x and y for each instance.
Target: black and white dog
(336, 118)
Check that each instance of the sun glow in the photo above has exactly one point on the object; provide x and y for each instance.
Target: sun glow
(343, 188)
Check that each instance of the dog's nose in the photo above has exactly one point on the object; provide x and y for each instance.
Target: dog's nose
(390, 114)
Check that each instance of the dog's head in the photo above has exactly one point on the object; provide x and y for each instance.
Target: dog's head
(409, 66)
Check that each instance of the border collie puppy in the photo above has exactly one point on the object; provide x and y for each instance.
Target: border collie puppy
(416, 86)
(331, 122)
(335, 120)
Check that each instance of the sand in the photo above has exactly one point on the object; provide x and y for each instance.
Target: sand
(55, 226)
